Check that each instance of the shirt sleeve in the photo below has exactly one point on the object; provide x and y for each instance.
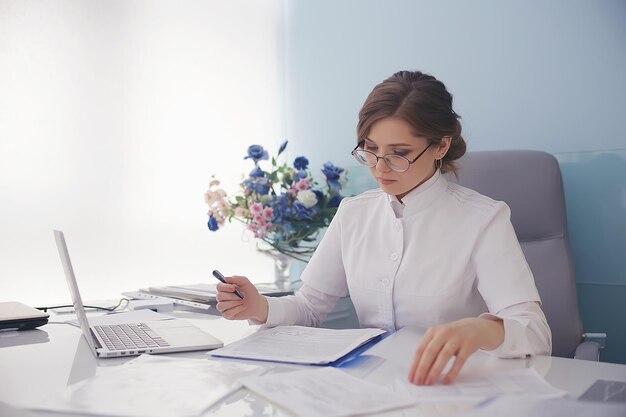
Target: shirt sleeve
(503, 276)
(308, 307)
(526, 331)
(507, 285)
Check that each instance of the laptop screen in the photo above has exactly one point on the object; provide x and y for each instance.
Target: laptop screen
(73, 286)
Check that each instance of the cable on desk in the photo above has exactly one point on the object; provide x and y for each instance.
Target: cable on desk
(115, 307)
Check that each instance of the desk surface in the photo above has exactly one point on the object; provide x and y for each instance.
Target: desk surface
(36, 365)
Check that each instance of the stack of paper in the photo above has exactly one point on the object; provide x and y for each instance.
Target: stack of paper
(325, 392)
(156, 387)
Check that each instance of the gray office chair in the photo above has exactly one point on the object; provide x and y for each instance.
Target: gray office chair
(530, 183)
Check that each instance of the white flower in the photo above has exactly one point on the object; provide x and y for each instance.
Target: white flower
(307, 198)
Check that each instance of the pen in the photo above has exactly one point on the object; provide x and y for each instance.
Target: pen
(217, 274)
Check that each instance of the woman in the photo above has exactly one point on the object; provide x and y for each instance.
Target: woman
(418, 251)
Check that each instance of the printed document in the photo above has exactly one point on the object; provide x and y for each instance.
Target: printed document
(325, 392)
(298, 344)
(517, 382)
(156, 386)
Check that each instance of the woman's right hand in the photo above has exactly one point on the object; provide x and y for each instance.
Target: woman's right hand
(253, 306)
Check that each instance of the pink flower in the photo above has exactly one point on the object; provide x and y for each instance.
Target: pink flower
(267, 213)
(301, 185)
(214, 183)
(259, 220)
(256, 208)
(209, 197)
(212, 197)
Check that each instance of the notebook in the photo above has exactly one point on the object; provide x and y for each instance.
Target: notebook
(130, 339)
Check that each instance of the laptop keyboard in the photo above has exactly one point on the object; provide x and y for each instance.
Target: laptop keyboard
(129, 336)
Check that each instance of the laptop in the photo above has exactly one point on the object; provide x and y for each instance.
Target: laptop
(129, 339)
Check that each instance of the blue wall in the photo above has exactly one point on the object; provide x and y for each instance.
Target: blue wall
(525, 75)
(595, 198)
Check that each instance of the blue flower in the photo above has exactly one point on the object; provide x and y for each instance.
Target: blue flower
(334, 201)
(332, 173)
(282, 147)
(301, 163)
(303, 213)
(282, 210)
(257, 173)
(213, 226)
(300, 174)
(256, 153)
(258, 185)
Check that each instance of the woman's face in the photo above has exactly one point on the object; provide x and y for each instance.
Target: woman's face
(394, 136)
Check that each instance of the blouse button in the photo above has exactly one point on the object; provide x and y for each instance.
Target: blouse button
(394, 256)
(385, 282)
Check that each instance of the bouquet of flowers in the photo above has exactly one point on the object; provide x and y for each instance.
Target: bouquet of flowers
(283, 206)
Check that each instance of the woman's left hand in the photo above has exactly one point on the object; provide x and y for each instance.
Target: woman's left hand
(460, 338)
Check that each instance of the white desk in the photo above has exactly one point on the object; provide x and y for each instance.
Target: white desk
(38, 364)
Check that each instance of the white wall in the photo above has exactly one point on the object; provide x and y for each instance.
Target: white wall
(113, 116)
(547, 75)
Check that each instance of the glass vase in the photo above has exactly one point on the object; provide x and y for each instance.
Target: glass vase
(282, 268)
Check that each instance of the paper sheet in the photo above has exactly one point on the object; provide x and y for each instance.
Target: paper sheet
(477, 387)
(399, 347)
(529, 407)
(298, 344)
(137, 316)
(325, 392)
(156, 386)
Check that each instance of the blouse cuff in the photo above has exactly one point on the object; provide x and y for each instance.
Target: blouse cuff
(275, 312)
(515, 344)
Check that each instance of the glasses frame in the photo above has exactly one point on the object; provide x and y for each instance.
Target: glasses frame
(384, 157)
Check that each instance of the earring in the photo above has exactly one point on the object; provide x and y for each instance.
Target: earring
(438, 163)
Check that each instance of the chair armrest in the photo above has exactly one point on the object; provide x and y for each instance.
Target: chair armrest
(588, 351)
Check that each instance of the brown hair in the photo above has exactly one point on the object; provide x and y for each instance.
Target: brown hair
(422, 101)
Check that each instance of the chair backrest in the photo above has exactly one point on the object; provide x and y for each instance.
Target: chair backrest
(530, 183)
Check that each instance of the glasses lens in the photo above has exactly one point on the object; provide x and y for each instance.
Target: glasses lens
(364, 157)
(397, 162)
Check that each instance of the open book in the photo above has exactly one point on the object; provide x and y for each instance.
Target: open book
(299, 344)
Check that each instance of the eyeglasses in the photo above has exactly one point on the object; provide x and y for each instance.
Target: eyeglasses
(397, 163)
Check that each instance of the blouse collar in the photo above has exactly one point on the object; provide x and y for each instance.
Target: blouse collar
(419, 198)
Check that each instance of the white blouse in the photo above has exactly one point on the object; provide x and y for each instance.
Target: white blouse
(444, 253)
